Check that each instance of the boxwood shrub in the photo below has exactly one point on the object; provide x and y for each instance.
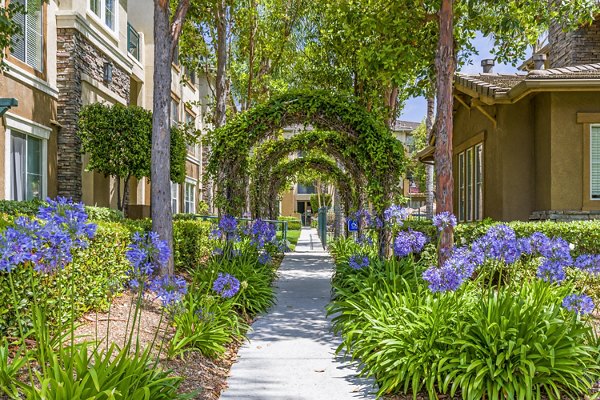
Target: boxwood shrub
(31, 207)
(293, 223)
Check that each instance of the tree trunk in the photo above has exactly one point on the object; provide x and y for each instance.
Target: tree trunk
(118, 189)
(337, 210)
(253, 27)
(125, 201)
(391, 102)
(221, 90)
(429, 173)
(446, 66)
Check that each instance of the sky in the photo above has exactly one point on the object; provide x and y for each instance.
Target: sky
(416, 108)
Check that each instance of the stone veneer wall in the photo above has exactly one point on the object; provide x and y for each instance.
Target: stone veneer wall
(564, 215)
(76, 56)
(574, 48)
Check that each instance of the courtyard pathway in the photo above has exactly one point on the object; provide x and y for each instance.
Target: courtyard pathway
(291, 351)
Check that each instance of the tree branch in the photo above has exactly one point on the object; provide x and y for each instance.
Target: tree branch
(177, 23)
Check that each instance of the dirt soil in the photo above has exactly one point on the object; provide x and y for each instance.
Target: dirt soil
(201, 374)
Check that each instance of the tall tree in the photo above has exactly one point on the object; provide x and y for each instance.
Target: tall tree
(166, 36)
(429, 171)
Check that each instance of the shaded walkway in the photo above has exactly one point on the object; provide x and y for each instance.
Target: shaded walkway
(291, 354)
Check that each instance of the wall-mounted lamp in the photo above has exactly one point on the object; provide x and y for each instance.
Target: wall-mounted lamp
(108, 72)
(6, 104)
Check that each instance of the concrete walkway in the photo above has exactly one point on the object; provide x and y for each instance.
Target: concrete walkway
(291, 353)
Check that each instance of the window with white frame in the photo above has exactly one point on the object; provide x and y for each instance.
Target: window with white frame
(28, 46)
(174, 112)
(470, 184)
(174, 197)
(595, 162)
(106, 10)
(26, 158)
(190, 198)
(189, 120)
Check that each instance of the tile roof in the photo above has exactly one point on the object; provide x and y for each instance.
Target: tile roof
(405, 126)
(492, 84)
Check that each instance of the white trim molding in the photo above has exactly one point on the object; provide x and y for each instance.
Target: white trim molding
(19, 74)
(29, 127)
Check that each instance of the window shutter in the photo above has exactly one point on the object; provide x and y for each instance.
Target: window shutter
(18, 40)
(595, 162)
(34, 35)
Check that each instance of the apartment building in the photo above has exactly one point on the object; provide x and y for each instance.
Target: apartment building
(73, 53)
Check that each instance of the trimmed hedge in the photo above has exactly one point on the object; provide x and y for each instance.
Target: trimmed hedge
(31, 207)
(99, 272)
(293, 223)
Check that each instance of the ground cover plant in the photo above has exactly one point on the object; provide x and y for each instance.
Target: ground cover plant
(45, 263)
(504, 317)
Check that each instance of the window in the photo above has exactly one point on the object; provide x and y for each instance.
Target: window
(106, 10)
(470, 184)
(133, 42)
(28, 46)
(174, 197)
(189, 120)
(306, 189)
(174, 112)
(26, 167)
(190, 198)
(595, 162)
(176, 56)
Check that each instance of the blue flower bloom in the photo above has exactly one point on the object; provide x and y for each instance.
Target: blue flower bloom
(589, 263)
(262, 233)
(358, 262)
(169, 289)
(551, 271)
(217, 251)
(499, 243)
(395, 215)
(147, 254)
(226, 285)
(264, 258)
(363, 217)
(408, 242)
(444, 220)
(228, 224)
(364, 240)
(456, 270)
(580, 304)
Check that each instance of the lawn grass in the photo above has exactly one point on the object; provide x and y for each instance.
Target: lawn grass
(292, 237)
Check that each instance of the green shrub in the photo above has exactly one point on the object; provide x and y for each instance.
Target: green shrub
(191, 243)
(99, 271)
(31, 207)
(293, 223)
(205, 324)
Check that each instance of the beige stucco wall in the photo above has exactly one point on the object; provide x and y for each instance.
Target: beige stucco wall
(288, 204)
(36, 106)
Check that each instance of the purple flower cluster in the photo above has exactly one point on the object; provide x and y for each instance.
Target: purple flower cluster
(262, 233)
(147, 254)
(217, 251)
(499, 243)
(364, 240)
(226, 285)
(589, 263)
(395, 215)
(228, 224)
(579, 303)
(363, 217)
(457, 269)
(444, 220)
(264, 258)
(48, 243)
(409, 242)
(170, 289)
(358, 262)
(556, 256)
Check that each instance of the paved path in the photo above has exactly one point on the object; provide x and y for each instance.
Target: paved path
(290, 355)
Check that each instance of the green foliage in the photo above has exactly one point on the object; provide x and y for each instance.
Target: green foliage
(379, 155)
(99, 270)
(191, 243)
(477, 343)
(206, 324)
(178, 154)
(293, 223)
(31, 207)
(326, 200)
(416, 169)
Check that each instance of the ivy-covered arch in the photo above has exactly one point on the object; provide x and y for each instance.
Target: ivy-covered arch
(379, 155)
(271, 152)
(284, 172)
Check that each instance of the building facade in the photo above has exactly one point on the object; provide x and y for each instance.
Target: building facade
(73, 53)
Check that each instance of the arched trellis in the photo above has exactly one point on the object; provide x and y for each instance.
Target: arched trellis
(379, 155)
(272, 152)
(283, 172)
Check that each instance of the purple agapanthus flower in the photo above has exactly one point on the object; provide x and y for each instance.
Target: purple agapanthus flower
(395, 215)
(71, 217)
(226, 285)
(458, 268)
(217, 251)
(264, 258)
(589, 263)
(499, 243)
(147, 254)
(228, 224)
(262, 233)
(169, 289)
(551, 271)
(579, 303)
(364, 240)
(363, 217)
(358, 262)
(409, 242)
(444, 220)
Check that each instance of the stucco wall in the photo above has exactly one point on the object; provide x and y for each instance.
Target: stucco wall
(36, 106)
